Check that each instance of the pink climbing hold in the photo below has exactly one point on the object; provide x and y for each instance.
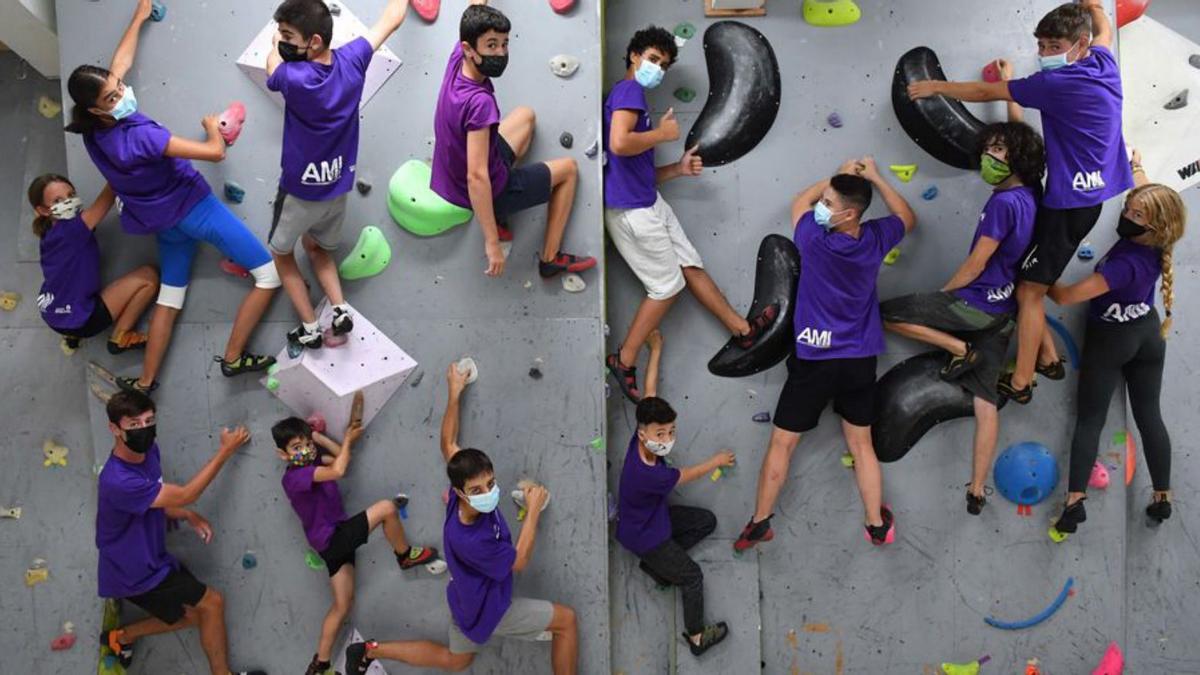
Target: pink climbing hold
(991, 73)
(427, 9)
(1113, 662)
(317, 422)
(230, 267)
(333, 340)
(1099, 477)
(231, 122)
(562, 6)
(63, 642)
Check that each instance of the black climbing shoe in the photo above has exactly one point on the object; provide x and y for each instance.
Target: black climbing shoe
(958, 366)
(1158, 510)
(758, 323)
(342, 322)
(357, 661)
(975, 503)
(710, 637)
(246, 363)
(122, 653)
(316, 667)
(1071, 517)
(131, 384)
(1005, 388)
(299, 338)
(658, 580)
(754, 533)
(565, 262)
(626, 377)
(885, 533)
(1053, 371)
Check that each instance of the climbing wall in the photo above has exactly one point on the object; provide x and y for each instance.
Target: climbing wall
(830, 602)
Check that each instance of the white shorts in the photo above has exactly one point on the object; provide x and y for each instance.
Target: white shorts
(654, 245)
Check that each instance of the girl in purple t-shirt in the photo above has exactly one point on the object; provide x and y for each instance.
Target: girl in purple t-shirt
(71, 299)
(1124, 338)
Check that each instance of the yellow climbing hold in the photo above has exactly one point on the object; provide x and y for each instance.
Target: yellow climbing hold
(33, 577)
(48, 107)
(971, 668)
(831, 13)
(1056, 536)
(904, 172)
(716, 474)
(55, 454)
(9, 300)
(848, 460)
(892, 256)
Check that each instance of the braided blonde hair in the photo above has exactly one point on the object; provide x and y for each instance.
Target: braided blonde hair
(1165, 219)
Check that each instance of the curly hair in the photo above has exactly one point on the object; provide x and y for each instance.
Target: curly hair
(1026, 150)
(651, 36)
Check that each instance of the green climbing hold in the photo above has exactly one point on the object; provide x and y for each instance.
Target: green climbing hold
(971, 668)
(1119, 438)
(848, 460)
(416, 207)
(904, 172)
(370, 255)
(892, 256)
(597, 443)
(313, 560)
(273, 370)
(685, 94)
(685, 30)
(831, 13)
(1056, 536)
(272, 384)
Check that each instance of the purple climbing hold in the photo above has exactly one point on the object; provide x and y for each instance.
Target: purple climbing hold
(762, 417)
(834, 120)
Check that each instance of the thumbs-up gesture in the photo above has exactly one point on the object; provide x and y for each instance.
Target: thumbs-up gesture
(691, 164)
(668, 126)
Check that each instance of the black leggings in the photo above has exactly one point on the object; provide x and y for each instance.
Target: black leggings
(1135, 350)
(670, 562)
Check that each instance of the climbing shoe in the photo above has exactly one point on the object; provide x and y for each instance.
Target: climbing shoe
(132, 384)
(1070, 519)
(1053, 371)
(626, 377)
(417, 555)
(246, 363)
(758, 323)
(564, 262)
(112, 640)
(1159, 509)
(503, 232)
(975, 503)
(316, 667)
(710, 637)
(885, 533)
(300, 338)
(357, 661)
(342, 322)
(658, 580)
(958, 366)
(1005, 388)
(754, 533)
(130, 339)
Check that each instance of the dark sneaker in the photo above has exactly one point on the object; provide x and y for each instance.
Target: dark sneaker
(1005, 387)
(316, 667)
(129, 340)
(1069, 521)
(565, 262)
(342, 322)
(249, 672)
(710, 637)
(754, 533)
(1159, 510)
(975, 503)
(122, 653)
(299, 338)
(758, 323)
(131, 384)
(417, 555)
(1053, 371)
(626, 377)
(246, 363)
(357, 661)
(958, 366)
(885, 533)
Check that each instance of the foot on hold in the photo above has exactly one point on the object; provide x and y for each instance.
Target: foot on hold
(626, 377)
(754, 533)
(301, 337)
(417, 555)
(246, 363)
(885, 533)
(1159, 509)
(357, 661)
(1069, 521)
(758, 324)
(318, 667)
(565, 262)
(958, 366)
(130, 339)
(710, 637)
(133, 384)
(1006, 389)
(112, 640)
(976, 502)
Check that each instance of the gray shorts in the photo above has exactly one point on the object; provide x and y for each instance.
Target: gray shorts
(988, 333)
(295, 217)
(526, 619)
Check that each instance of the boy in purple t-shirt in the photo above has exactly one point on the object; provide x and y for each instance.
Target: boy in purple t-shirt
(838, 335)
(479, 550)
(1078, 92)
(640, 222)
(133, 505)
(321, 89)
(315, 464)
(475, 152)
(971, 317)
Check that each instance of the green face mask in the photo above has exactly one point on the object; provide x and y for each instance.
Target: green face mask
(992, 170)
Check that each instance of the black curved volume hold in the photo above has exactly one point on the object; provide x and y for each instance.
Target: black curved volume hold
(941, 126)
(743, 93)
(775, 279)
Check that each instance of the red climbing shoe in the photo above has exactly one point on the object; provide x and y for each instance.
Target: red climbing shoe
(503, 231)
(229, 267)
(427, 9)
(626, 377)
(231, 122)
(562, 6)
(565, 262)
(754, 533)
(417, 555)
(759, 323)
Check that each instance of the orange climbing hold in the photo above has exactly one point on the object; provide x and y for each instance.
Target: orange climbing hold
(1130, 458)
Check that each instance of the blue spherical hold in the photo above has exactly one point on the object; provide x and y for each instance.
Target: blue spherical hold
(234, 193)
(930, 193)
(1025, 473)
(1086, 252)
(158, 11)
(249, 562)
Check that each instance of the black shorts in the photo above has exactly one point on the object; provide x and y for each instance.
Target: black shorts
(95, 324)
(1056, 235)
(528, 186)
(167, 600)
(347, 537)
(849, 383)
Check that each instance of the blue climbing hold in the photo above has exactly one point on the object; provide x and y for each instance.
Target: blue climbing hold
(1086, 252)
(234, 193)
(930, 193)
(249, 562)
(158, 11)
(1025, 473)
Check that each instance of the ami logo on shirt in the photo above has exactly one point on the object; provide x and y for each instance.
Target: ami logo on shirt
(325, 173)
(1086, 181)
(1119, 313)
(815, 337)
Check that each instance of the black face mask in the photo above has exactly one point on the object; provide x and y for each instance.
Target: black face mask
(1128, 229)
(140, 440)
(291, 53)
(492, 65)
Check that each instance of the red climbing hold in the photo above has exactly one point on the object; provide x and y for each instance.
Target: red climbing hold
(427, 9)
(317, 422)
(991, 73)
(230, 267)
(63, 642)
(231, 122)
(1130, 10)
(562, 6)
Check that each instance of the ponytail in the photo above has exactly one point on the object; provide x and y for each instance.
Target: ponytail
(36, 195)
(1168, 289)
(84, 86)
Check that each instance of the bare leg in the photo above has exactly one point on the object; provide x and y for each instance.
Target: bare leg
(343, 597)
(384, 511)
(325, 270)
(649, 315)
(1031, 321)
(422, 653)
(128, 297)
(293, 285)
(705, 289)
(928, 335)
(987, 430)
(774, 471)
(517, 129)
(866, 470)
(248, 316)
(655, 342)
(211, 616)
(564, 649)
(564, 176)
(153, 626)
(162, 324)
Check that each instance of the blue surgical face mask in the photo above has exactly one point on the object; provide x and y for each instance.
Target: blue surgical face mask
(485, 503)
(648, 74)
(1056, 61)
(823, 215)
(126, 106)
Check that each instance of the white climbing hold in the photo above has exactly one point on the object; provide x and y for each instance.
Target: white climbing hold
(466, 365)
(527, 285)
(564, 65)
(573, 283)
(436, 567)
(505, 248)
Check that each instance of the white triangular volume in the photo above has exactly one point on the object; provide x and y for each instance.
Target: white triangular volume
(339, 659)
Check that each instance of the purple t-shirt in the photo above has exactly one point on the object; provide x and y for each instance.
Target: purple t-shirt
(318, 504)
(320, 121)
(1007, 217)
(1081, 120)
(130, 535)
(1131, 270)
(480, 557)
(464, 105)
(70, 274)
(837, 303)
(644, 521)
(157, 191)
(629, 182)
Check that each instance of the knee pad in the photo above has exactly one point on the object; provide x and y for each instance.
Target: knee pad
(266, 276)
(171, 296)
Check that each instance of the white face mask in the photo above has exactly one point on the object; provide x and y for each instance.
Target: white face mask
(66, 209)
(659, 448)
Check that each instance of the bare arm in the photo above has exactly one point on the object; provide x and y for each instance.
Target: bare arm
(393, 15)
(479, 188)
(1139, 174)
(456, 383)
(691, 473)
(623, 141)
(178, 496)
(973, 266)
(1093, 286)
(1102, 32)
(273, 57)
(1015, 112)
(976, 92)
(804, 201)
(95, 213)
(211, 150)
(122, 59)
(896, 204)
(535, 498)
(177, 513)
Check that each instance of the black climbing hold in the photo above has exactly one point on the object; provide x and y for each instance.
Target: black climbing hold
(363, 187)
(940, 125)
(743, 93)
(566, 140)
(775, 279)
(1194, 59)
(335, 9)
(1178, 101)
(535, 373)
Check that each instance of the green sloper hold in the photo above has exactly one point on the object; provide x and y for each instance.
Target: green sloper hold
(831, 13)
(685, 30)
(370, 256)
(417, 208)
(685, 94)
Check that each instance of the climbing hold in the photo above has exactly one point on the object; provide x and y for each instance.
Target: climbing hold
(593, 149)
(991, 72)
(597, 443)
(776, 277)
(363, 187)
(904, 172)
(743, 94)
(761, 417)
(231, 122)
(335, 9)
(1130, 10)
(684, 30)
(158, 11)
(971, 668)
(37, 573)
(9, 300)
(313, 560)
(66, 640)
(535, 371)
(273, 370)
(249, 561)
(1056, 536)
(563, 65)
(436, 567)
(834, 120)
(234, 193)
(1194, 60)
(370, 256)
(1099, 477)
(13, 512)
(48, 107)
(573, 283)
(331, 339)
(55, 454)
(417, 208)
(1086, 252)
(416, 379)
(518, 497)
(68, 345)
(1037, 618)
(1178, 100)
(1068, 341)
(1130, 459)
(317, 422)
(1025, 473)
(401, 502)
(892, 256)
(1119, 437)
(848, 460)
(831, 13)
(716, 474)
(427, 9)
(1112, 663)
(272, 384)
(230, 267)
(1031, 667)
(562, 6)
(466, 366)
(685, 94)
(930, 193)
(941, 126)
(566, 140)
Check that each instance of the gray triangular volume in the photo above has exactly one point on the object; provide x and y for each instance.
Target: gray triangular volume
(1177, 101)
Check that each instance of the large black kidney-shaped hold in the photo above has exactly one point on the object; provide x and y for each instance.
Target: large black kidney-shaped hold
(777, 274)
(941, 126)
(743, 93)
